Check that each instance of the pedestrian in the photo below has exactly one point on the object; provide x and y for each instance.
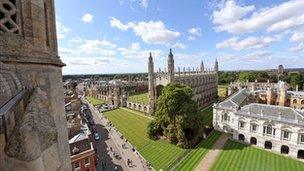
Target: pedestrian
(115, 168)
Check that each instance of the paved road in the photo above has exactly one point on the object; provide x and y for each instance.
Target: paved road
(111, 139)
(103, 149)
(126, 152)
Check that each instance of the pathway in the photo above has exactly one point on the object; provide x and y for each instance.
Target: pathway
(211, 156)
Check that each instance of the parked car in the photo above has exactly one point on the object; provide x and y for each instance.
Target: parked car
(96, 136)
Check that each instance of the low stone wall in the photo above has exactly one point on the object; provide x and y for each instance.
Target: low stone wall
(137, 106)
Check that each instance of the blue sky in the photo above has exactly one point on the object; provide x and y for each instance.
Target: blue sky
(116, 36)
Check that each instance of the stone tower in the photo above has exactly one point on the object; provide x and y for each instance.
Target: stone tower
(216, 67)
(151, 86)
(269, 96)
(202, 67)
(36, 134)
(283, 93)
(170, 67)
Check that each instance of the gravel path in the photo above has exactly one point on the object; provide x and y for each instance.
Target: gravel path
(211, 156)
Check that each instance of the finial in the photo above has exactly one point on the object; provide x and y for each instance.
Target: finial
(150, 54)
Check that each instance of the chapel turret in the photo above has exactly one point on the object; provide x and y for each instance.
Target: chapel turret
(171, 67)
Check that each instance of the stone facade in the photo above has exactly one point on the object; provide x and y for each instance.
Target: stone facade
(276, 128)
(272, 93)
(28, 48)
(115, 92)
(203, 83)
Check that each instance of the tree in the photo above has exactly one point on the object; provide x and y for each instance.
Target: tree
(178, 116)
(244, 76)
(296, 79)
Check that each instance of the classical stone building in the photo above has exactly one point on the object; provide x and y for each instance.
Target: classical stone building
(203, 83)
(33, 128)
(271, 93)
(264, 118)
(115, 92)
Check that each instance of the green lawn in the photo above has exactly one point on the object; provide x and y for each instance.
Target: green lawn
(196, 155)
(95, 101)
(240, 157)
(207, 116)
(139, 98)
(134, 127)
(222, 90)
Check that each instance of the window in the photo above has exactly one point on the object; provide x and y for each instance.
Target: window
(286, 135)
(241, 125)
(9, 16)
(301, 138)
(87, 160)
(253, 127)
(268, 130)
(225, 117)
(77, 165)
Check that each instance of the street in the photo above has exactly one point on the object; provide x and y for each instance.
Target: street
(110, 144)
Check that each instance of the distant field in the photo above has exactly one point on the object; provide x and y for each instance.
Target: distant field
(95, 101)
(222, 90)
(139, 98)
(207, 116)
(134, 127)
(196, 155)
(240, 157)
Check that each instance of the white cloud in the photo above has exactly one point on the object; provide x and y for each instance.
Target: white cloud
(117, 23)
(287, 24)
(230, 13)
(190, 38)
(152, 32)
(96, 47)
(297, 37)
(144, 3)
(134, 51)
(258, 56)
(196, 31)
(61, 30)
(298, 48)
(87, 18)
(232, 17)
(248, 43)
(179, 45)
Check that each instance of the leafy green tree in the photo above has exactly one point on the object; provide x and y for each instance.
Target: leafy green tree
(296, 79)
(178, 116)
(154, 130)
(244, 76)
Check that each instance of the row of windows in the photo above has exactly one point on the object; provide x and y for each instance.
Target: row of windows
(295, 101)
(268, 130)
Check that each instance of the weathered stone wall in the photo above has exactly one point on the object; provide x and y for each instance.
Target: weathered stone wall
(31, 53)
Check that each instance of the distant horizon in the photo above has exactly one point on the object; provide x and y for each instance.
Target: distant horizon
(219, 71)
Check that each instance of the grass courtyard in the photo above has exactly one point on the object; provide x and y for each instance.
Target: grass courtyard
(239, 157)
(139, 98)
(207, 116)
(95, 101)
(134, 127)
(196, 155)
